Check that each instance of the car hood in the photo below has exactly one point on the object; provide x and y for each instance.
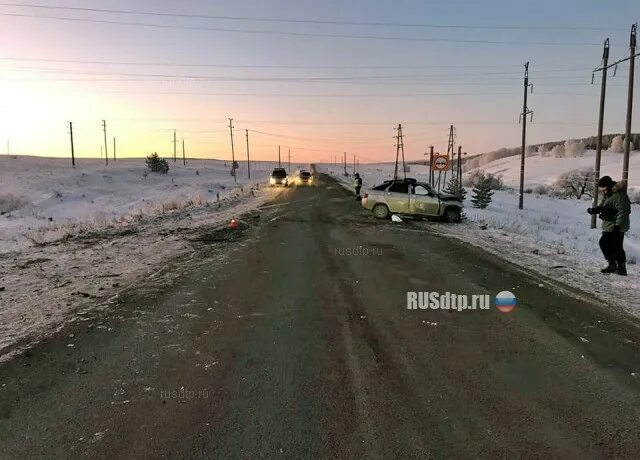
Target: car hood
(448, 197)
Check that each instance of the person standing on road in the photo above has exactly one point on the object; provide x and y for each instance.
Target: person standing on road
(357, 184)
(614, 212)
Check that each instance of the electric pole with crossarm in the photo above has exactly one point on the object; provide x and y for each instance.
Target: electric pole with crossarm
(523, 119)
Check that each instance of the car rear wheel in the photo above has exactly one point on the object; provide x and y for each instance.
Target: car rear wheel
(452, 214)
(381, 211)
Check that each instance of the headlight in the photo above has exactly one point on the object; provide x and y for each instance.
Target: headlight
(272, 181)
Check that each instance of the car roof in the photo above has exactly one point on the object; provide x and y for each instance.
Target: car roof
(410, 180)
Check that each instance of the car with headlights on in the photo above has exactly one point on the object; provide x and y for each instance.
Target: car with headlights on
(408, 197)
(279, 176)
(304, 178)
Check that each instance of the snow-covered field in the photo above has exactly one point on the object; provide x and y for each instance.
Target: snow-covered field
(72, 239)
(545, 170)
(551, 235)
(42, 199)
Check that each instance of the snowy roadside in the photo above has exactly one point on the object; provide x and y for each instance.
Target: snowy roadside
(45, 286)
(578, 270)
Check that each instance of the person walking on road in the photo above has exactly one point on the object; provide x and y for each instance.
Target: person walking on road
(357, 184)
(614, 212)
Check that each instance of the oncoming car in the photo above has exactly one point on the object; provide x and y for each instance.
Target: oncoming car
(304, 178)
(409, 197)
(279, 177)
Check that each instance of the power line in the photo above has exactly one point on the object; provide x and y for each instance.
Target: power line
(404, 77)
(305, 21)
(301, 34)
(258, 66)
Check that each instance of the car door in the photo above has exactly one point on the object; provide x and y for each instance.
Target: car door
(423, 200)
(397, 197)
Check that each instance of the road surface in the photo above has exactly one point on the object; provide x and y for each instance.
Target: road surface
(275, 343)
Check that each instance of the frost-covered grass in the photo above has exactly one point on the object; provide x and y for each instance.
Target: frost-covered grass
(44, 199)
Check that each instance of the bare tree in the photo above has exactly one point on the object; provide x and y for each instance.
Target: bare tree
(576, 183)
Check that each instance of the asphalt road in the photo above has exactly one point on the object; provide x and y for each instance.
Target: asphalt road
(274, 343)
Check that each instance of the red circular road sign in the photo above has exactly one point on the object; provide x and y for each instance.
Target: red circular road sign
(440, 162)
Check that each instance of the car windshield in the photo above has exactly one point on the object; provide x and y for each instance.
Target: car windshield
(279, 173)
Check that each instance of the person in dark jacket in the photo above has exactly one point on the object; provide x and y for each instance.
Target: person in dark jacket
(614, 212)
(357, 184)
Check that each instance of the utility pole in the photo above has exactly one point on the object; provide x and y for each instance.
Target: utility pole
(289, 170)
(431, 165)
(184, 157)
(246, 132)
(603, 90)
(345, 164)
(279, 163)
(399, 148)
(114, 149)
(459, 168)
(175, 156)
(450, 155)
(354, 165)
(106, 150)
(8, 148)
(523, 118)
(233, 153)
(627, 132)
(73, 155)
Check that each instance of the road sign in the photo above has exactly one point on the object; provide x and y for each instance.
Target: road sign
(440, 162)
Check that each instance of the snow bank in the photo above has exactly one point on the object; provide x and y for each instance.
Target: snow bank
(44, 197)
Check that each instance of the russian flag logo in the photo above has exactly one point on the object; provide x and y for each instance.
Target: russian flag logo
(506, 302)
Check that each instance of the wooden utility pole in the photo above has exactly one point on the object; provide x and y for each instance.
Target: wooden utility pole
(603, 90)
(114, 149)
(431, 176)
(345, 164)
(279, 163)
(73, 155)
(523, 118)
(175, 155)
(246, 131)
(184, 157)
(627, 132)
(289, 170)
(106, 150)
(233, 153)
(459, 168)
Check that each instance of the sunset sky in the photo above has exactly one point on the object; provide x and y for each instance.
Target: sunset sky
(320, 82)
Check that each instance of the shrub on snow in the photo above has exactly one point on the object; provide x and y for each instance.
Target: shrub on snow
(474, 178)
(574, 148)
(617, 145)
(558, 151)
(541, 189)
(157, 164)
(575, 183)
